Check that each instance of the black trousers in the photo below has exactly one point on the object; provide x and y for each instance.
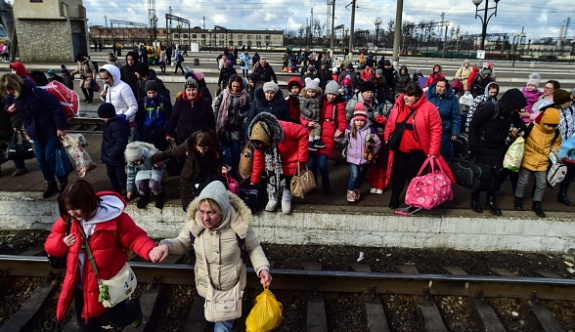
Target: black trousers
(121, 315)
(405, 167)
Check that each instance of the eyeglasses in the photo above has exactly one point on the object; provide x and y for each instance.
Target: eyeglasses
(548, 88)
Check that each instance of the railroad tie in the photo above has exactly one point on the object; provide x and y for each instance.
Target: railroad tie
(544, 317)
(376, 320)
(29, 309)
(316, 318)
(487, 316)
(196, 320)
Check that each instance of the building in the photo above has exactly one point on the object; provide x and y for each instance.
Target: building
(57, 35)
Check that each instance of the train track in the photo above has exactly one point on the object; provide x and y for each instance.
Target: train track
(85, 124)
(381, 297)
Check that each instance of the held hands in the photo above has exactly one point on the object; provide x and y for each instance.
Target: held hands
(159, 253)
(265, 277)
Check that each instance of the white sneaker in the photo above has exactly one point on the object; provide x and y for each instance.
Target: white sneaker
(271, 206)
(286, 202)
(379, 191)
(373, 190)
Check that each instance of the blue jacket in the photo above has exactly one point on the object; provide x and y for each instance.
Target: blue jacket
(41, 112)
(114, 140)
(448, 107)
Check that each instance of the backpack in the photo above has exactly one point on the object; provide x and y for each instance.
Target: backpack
(68, 98)
(39, 77)
(557, 172)
(153, 122)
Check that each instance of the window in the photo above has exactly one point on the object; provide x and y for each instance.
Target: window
(240, 37)
(258, 37)
(259, 44)
(194, 35)
(250, 37)
(240, 43)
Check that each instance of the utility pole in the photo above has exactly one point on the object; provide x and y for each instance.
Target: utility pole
(106, 21)
(332, 37)
(311, 29)
(397, 35)
(351, 30)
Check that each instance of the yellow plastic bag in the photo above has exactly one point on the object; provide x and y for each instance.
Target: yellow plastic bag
(266, 314)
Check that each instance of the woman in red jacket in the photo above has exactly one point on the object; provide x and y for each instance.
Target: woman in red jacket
(110, 232)
(421, 138)
(277, 143)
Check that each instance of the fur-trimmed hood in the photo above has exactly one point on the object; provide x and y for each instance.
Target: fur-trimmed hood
(276, 131)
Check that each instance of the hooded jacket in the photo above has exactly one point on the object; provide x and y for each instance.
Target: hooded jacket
(332, 117)
(402, 80)
(356, 146)
(114, 140)
(540, 141)
(435, 76)
(189, 116)
(293, 101)
(479, 99)
(144, 171)
(277, 106)
(128, 73)
(220, 247)
(448, 107)
(120, 95)
(107, 247)
(488, 129)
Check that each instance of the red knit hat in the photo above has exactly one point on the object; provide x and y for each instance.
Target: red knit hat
(359, 111)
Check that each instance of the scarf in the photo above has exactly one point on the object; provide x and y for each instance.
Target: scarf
(223, 112)
(273, 165)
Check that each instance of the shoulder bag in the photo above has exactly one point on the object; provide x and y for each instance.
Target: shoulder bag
(116, 289)
(429, 190)
(394, 138)
(219, 305)
(246, 162)
(19, 151)
(471, 175)
(303, 181)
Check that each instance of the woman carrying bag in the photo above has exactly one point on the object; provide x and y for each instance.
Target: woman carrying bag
(99, 217)
(219, 219)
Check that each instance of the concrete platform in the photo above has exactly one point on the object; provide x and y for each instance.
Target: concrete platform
(325, 220)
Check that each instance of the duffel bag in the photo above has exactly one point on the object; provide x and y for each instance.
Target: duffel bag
(471, 175)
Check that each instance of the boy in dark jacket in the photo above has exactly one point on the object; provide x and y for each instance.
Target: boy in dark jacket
(114, 142)
(154, 111)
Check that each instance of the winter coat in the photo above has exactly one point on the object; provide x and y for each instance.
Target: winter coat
(277, 106)
(128, 73)
(7, 123)
(233, 126)
(152, 119)
(225, 74)
(426, 130)
(194, 167)
(448, 107)
(120, 95)
(479, 84)
(292, 144)
(532, 97)
(372, 110)
(267, 73)
(488, 131)
(356, 146)
(41, 112)
(462, 74)
(226, 265)
(332, 117)
(87, 72)
(402, 80)
(310, 107)
(162, 90)
(114, 231)
(144, 171)
(538, 145)
(478, 100)
(114, 140)
(352, 76)
(246, 59)
(189, 116)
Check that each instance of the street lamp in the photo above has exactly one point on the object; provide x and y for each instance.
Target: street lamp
(377, 23)
(345, 34)
(485, 19)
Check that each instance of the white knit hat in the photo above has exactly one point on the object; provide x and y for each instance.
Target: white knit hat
(133, 152)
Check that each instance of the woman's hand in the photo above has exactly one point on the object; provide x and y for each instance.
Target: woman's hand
(159, 253)
(432, 155)
(69, 240)
(337, 133)
(454, 138)
(129, 195)
(265, 277)
(11, 109)
(61, 133)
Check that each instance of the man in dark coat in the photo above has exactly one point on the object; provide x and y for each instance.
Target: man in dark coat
(488, 131)
(128, 71)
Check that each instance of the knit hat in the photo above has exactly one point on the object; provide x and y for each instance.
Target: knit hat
(387, 63)
(367, 86)
(106, 111)
(311, 69)
(216, 190)
(359, 111)
(228, 63)
(349, 65)
(311, 84)
(346, 81)
(133, 152)
(260, 133)
(151, 85)
(561, 96)
(271, 86)
(142, 68)
(369, 62)
(533, 79)
(334, 70)
(51, 73)
(550, 116)
(379, 71)
(332, 87)
(191, 82)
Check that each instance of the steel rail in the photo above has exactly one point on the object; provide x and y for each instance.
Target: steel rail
(337, 281)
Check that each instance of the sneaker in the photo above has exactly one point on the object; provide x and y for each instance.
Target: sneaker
(379, 191)
(357, 194)
(271, 206)
(350, 196)
(319, 144)
(20, 171)
(372, 190)
(312, 147)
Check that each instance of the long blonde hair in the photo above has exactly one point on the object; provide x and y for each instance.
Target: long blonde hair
(11, 81)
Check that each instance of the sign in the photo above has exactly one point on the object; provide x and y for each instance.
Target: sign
(481, 54)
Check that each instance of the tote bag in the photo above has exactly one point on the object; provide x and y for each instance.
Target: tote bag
(302, 182)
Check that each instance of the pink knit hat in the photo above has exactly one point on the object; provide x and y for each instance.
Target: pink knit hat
(359, 112)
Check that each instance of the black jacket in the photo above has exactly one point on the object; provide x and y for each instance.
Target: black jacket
(114, 140)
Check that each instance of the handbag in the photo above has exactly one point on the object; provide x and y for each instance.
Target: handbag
(557, 171)
(81, 160)
(246, 162)
(471, 175)
(60, 262)
(429, 190)
(19, 151)
(220, 305)
(394, 138)
(63, 163)
(303, 181)
(233, 184)
(173, 165)
(514, 155)
(116, 289)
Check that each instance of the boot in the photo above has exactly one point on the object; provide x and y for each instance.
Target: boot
(476, 203)
(272, 204)
(491, 204)
(518, 204)
(394, 201)
(143, 201)
(52, 190)
(160, 200)
(286, 202)
(538, 210)
(562, 198)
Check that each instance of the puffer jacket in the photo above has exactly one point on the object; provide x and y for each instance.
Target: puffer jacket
(107, 247)
(189, 116)
(372, 110)
(144, 171)
(226, 266)
(448, 107)
(278, 107)
(120, 95)
(114, 140)
(332, 117)
(356, 146)
(538, 145)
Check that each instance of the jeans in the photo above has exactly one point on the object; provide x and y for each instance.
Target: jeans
(231, 151)
(356, 175)
(46, 157)
(225, 326)
(319, 162)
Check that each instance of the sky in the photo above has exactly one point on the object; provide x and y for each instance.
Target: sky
(538, 18)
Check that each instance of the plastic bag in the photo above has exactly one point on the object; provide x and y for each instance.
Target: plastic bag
(266, 314)
(514, 155)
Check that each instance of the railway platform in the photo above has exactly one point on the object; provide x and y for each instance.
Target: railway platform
(324, 220)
